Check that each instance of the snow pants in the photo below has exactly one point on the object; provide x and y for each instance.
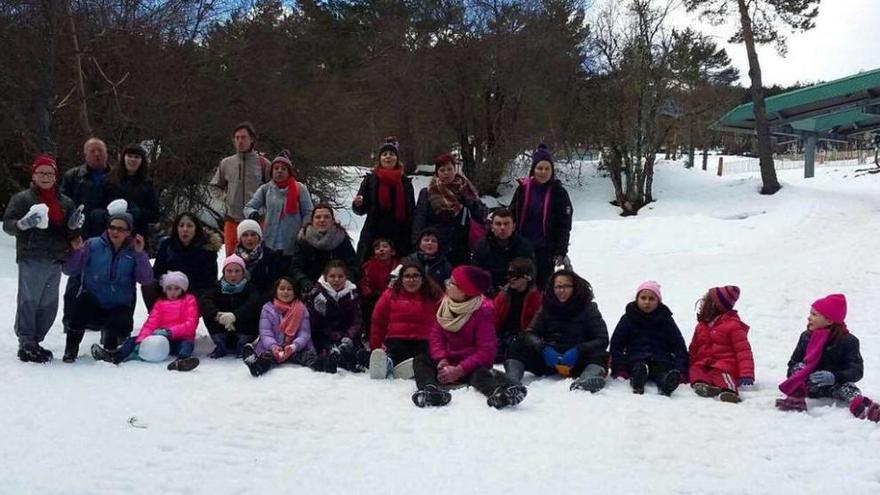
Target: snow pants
(713, 376)
(37, 304)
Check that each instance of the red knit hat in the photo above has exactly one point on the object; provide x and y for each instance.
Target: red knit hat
(44, 159)
(832, 306)
(443, 159)
(724, 297)
(472, 280)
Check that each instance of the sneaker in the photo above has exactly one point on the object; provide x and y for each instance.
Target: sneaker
(101, 354)
(184, 364)
(591, 384)
(669, 382)
(638, 378)
(703, 389)
(729, 396)
(789, 403)
(506, 396)
(431, 396)
(30, 353)
(380, 364)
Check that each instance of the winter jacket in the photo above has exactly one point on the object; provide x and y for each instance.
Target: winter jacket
(267, 271)
(557, 220)
(437, 267)
(143, 204)
(308, 264)
(530, 307)
(723, 344)
(473, 346)
(375, 276)
(402, 315)
(280, 231)
(270, 332)
(198, 261)
(381, 223)
(840, 356)
(494, 258)
(236, 180)
(585, 329)
(85, 187)
(180, 317)
(453, 232)
(641, 337)
(107, 274)
(46, 244)
(245, 306)
(333, 319)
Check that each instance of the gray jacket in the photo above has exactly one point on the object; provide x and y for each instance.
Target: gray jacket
(51, 243)
(280, 233)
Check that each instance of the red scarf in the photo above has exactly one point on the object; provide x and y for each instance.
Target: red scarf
(392, 178)
(49, 197)
(291, 204)
(291, 318)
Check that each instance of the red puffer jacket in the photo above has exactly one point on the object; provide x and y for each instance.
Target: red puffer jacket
(402, 315)
(724, 345)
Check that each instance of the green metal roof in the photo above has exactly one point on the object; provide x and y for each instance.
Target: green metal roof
(832, 110)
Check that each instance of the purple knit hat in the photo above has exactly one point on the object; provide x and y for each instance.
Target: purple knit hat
(724, 297)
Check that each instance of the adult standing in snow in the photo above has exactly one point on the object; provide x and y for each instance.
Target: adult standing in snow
(447, 205)
(237, 178)
(501, 246)
(110, 265)
(542, 212)
(287, 205)
(319, 241)
(130, 180)
(386, 197)
(42, 220)
(263, 265)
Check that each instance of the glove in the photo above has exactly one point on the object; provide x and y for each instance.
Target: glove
(117, 206)
(450, 374)
(571, 356)
(226, 319)
(821, 378)
(551, 357)
(77, 218)
(746, 381)
(33, 217)
(254, 215)
(346, 345)
(163, 332)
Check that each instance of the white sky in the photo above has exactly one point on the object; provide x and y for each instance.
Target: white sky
(844, 42)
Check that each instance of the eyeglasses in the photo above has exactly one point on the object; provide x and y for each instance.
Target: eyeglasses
(116, 228)
(44, 174)
(412, 276)
(514, 275)
(563, 287)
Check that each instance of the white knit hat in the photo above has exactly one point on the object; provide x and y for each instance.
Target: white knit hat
(248, 226)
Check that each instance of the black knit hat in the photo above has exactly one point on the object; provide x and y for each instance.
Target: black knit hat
(390, 144)
(542, 153)
(135, 149)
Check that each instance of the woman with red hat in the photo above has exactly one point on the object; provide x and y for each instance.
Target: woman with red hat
(826, 363)
(43, 221)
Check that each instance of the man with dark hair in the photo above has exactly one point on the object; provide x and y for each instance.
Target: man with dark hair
(501, 246)
(237, 178)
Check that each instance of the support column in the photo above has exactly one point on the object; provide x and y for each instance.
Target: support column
(809, 155)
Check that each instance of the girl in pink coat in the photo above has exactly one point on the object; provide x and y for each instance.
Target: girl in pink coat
(174, 317)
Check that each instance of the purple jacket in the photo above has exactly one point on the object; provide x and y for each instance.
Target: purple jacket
(471, 347)
(270, 334)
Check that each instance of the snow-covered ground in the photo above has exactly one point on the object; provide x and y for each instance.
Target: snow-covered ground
(68, 428)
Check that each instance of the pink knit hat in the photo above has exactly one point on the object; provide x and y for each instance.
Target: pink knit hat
(177, 279)
(472, 280)
(234, 259)
(725, 297)
(832, 306)
(651, 285)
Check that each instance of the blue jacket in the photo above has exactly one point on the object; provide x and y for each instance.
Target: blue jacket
(109, 275)
(653, 336)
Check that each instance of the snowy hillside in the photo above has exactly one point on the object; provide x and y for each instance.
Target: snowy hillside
(68, 428)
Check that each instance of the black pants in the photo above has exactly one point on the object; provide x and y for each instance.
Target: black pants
(70, 291)
(483, 379)
(528, 351)
(543, 266)
(116, 323)
(399, 350)
(840, 392)
(368, 304)
(656, 370)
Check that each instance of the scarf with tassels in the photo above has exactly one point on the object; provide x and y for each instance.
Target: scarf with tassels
(291, 318)
(291, 204)
(795, 385)
(444, 198)
(453, 315)
(392, 179)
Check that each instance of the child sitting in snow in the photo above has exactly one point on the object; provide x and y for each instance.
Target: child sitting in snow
(174, 319)
(720, 354)
(285, 333)
(375, 277)
(336, 321)
(230, 310)
(827, 363)
(647, 344)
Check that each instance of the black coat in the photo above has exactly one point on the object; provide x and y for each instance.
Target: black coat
(558, 218)
(492, 257)
(381, 223)
(453, 232)
(198, 261)
(585, 329)
(246, 306)
(308, 263)
(437, 267)
(641, 337)
(143, 204)
(83, 188)
(840, 356)
(263, 275)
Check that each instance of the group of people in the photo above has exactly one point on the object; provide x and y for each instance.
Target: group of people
(430, 293)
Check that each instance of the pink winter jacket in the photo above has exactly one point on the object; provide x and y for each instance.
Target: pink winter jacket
(180, 316)
(471, 347)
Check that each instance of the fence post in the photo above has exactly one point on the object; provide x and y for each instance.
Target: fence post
(720, 165)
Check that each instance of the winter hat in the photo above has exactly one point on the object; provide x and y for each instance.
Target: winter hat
(135, 149)
(234, 258)
(390, 144)
(472, 280)
(125, 217)
(154, 349)
(540, 154)
(177, 279)
(651, 285)
(522, 267)
(248, 225)
(724, 297)
(44, 159)
(443, 159)
(431, 231)
(284, 157)
(832, 306)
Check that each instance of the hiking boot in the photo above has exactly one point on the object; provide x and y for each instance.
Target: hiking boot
(30, 353)
(380, 364)
(703, 389)
(638, 378)
(184, 364)
(506, 396)
(729, 396)
(789, 403)
(431, 396)
(101, 354)
(45, 353)
(71, 347)
(331, 361)
(669, 382)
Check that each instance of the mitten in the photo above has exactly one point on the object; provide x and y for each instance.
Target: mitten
(821, 378)
(226, 319)
(551, 357)
(33, 217)
(571, 356)
(77, 218)
(746, 381)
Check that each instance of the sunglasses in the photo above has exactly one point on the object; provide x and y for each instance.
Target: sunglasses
(515, 275)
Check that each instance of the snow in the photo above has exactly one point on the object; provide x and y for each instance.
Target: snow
(69, 428)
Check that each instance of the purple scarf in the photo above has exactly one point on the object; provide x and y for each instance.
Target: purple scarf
(527, 184)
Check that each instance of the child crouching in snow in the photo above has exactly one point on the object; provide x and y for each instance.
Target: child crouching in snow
(174, 317)
(336, 320)
(285, 333)
(647, 344)
(720, 354)
(826, 363)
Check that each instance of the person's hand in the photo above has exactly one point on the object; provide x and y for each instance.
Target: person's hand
(138, 243)
(442, 364)
(163, 332)
(31, 219)
(746, 381)
(821, 378)
(450, 374)
(254, 215)
(358, 200)
(571, 356)
(77, 218)
(551, 357)
(226, 319)
(76, 243)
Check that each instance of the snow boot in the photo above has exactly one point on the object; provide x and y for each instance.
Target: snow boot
(326, 363)
(506, 396)
(380, 364)
(101, 354)
(404, 370)
(514, 370)
(109, 341)
(431, 395)
(219, 346)
(71, 347)
(592, 379)
(669, 382)
(729, 396)
(184, 364)
(791, 403)
(864, 408)
(703, 389)
(45, 354)
(638, 378)
(30, 353)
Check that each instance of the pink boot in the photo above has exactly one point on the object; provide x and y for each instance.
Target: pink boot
(864, 408)
(790, 403)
